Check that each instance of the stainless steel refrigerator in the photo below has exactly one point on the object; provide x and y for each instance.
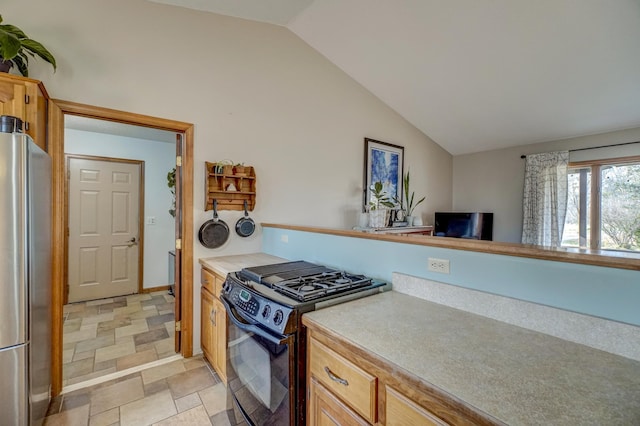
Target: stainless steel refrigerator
(25, 280)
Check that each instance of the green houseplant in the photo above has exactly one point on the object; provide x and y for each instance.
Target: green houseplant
(378, 212)
(16, 48)
(171, 183)
(408, 198)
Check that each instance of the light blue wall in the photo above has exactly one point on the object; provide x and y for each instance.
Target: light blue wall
(604, 292)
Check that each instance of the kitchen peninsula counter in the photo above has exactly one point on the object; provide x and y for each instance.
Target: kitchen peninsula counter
(503, 372)
(608, 258)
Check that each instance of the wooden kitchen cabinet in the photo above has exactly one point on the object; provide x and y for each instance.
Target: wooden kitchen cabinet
(400, 410)
(327, 410)
(344, 379)
(26, 99)
(213, 322)
(346, 388)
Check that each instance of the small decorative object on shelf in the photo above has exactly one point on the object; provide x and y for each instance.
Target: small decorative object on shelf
(239, 169)
(230, 189)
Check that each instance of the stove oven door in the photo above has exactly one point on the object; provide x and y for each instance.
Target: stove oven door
(260, 374)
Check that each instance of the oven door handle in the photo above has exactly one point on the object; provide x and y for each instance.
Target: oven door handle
(240, 323)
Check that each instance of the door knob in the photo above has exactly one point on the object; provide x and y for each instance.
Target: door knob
(132, 242)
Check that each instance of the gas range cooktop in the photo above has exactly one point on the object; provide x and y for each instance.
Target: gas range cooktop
(274, 295)
(317, 286)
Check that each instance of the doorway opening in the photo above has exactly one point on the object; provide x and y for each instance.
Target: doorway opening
(151, 304)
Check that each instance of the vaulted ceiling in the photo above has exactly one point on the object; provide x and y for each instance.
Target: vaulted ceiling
(476, 75)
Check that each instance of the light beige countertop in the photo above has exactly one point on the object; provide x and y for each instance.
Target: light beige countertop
(222, 265)
(517, 376)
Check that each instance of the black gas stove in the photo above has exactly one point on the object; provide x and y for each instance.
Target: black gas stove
(266, 341)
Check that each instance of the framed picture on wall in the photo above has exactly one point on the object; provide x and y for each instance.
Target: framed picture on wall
(383, 162)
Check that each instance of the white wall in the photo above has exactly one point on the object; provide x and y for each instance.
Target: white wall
(159, 159)
(256, 93)
(493, 181)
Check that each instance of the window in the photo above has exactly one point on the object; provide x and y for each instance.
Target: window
(603, 206)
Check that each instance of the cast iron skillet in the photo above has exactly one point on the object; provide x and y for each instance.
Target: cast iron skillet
(214, 232)
(245, 225)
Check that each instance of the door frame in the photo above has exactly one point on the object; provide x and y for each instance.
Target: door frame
(57, 109)
(141, 192)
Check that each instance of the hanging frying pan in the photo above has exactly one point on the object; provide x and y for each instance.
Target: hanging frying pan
(214, 232)
(245, 225)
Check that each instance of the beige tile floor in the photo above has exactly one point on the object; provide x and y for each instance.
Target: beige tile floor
(181, 392)
(109, 335)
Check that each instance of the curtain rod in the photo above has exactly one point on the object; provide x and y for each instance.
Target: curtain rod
(596, 147)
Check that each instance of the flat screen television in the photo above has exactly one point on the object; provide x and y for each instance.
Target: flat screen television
(471, 225)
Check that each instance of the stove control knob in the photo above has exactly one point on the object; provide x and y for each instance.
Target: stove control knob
(278, 317)
(266, 311)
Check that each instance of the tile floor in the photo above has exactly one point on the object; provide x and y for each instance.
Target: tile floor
(182, 392)
(108, 335)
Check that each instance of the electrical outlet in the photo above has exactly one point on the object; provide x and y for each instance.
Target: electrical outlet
(284, 238)
(439, 265)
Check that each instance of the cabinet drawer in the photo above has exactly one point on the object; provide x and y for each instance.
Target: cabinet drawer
(402, 411)
(208, 280)
(219, 282)
(346, 380)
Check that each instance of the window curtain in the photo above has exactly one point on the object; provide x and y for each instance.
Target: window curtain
(545, 198)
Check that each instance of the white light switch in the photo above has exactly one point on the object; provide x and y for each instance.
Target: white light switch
(151, 220)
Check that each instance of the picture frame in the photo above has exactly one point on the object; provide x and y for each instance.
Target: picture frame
(383, 162)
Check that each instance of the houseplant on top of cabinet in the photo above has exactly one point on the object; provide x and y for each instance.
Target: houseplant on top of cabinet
(16, 48)
(409, 199)
(378, 213)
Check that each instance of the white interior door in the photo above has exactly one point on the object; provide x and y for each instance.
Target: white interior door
(104, 222)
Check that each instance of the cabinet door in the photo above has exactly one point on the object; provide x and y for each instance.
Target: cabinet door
(325, 409)
(403, 411)
(220, 339)
(207, 321)
(12, 96)
(23, 98)
(344, 379)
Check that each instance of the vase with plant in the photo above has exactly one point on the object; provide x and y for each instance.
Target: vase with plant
(16, 48)
(378, 206)
(408, 199)
(239, 169)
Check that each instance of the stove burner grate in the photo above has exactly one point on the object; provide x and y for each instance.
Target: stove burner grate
(320, 285)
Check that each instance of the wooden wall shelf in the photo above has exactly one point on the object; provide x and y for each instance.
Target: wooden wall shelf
(216, 185)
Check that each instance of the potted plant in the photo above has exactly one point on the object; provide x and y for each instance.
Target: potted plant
(378, 212)
(16, 48)
(409, 199)
(171, 183)
(239, 169)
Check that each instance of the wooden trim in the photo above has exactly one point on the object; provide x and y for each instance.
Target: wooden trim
(58, 251)
(154, 289)
(141, 184)
(606, 161)
(57, 110)
(186, 290)
(596, 204)
(611, 259)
